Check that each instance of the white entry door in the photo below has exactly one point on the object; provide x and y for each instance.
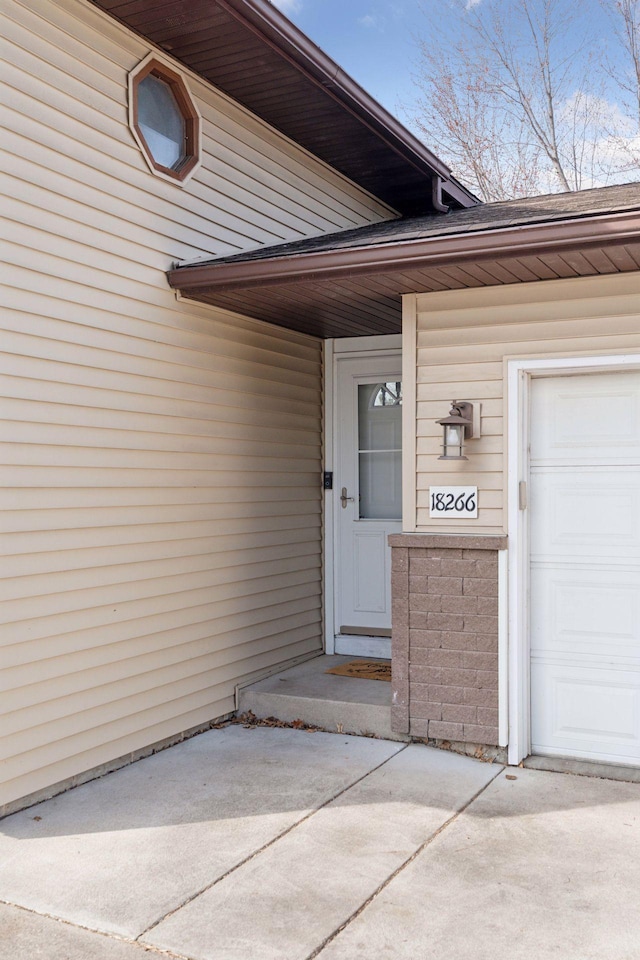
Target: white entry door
(368, 501)
(585, 566)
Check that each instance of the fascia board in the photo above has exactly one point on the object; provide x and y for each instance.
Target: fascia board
(522, 240)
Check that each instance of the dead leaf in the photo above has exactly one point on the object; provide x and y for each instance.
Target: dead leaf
(510, 776)
(249, 720)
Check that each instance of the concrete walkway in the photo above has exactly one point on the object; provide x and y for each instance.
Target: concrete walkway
(273, 844)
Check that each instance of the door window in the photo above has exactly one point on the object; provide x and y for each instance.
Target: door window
(380, 450)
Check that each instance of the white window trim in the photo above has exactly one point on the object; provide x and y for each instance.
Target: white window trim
(519, 374)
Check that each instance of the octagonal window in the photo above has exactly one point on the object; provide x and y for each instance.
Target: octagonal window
(164, 120)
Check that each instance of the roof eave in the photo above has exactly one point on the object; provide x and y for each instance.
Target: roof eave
(418, 173)
(291, 41)
(521, 240)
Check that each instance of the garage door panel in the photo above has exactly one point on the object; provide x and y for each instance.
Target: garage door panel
(588, 612)
(593, 416)
(588, 514)
(585, 566)
(589, 712)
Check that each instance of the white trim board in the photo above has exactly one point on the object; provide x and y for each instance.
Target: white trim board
(365, 346)
(409, 413)
(503, 649)
(328, 537)
(378, 648)
(519, 374)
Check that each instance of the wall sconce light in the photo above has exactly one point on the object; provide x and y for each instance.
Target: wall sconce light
(456, 428)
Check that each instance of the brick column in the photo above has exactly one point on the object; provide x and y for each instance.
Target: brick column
(445, 636)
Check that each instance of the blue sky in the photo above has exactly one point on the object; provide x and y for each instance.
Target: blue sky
(371, 39)
(376, 42)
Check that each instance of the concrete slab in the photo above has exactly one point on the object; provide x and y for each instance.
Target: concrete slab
(307, 692)
(541, 865)
(283, 904)
(119, 853)
(28, 936)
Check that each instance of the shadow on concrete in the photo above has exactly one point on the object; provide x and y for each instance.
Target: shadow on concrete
(239, 773)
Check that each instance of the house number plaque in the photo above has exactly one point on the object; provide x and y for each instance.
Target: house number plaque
(453, 502)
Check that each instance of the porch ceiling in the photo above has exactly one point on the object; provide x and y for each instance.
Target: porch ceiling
(351, 284)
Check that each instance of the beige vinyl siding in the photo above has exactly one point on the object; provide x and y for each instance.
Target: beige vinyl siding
(66, 74)
(462, 341)
(161, 531)
(161, 504)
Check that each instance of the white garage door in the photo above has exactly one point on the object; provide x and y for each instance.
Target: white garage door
(585, 566)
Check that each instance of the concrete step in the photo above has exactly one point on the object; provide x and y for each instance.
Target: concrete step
(336, 704)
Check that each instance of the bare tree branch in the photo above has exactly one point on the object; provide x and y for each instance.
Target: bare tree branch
(626, 18)
(516, 100)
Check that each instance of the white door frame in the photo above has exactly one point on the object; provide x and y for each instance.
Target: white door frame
(347, 348)
(519, 374)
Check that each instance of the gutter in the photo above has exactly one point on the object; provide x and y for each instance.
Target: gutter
(436, 196)
(518, 241)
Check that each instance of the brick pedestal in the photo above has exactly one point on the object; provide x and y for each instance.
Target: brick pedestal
(445, 636)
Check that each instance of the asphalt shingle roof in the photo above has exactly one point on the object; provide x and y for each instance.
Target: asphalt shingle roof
(481, 218)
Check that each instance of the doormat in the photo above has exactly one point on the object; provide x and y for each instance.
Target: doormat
(364, 670)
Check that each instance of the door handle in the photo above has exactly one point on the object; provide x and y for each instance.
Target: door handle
(344, 498)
